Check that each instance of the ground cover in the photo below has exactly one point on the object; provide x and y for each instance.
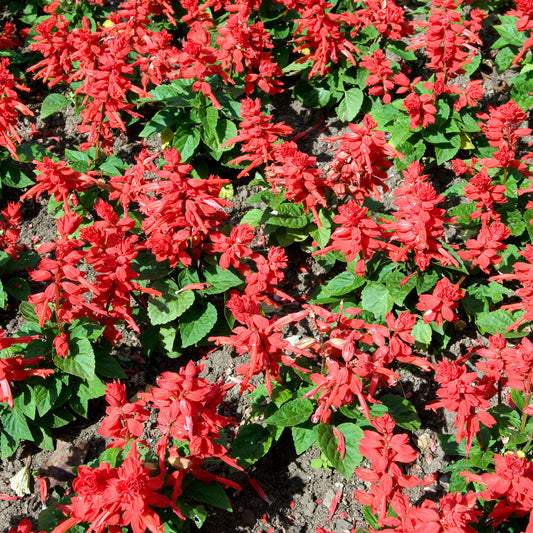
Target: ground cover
(266, 266)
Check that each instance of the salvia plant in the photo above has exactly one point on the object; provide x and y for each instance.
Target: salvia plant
(407, 205)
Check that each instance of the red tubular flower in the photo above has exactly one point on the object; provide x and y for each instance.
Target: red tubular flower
(362, 160)
(511, 484)
(59, 180)
(123, 419)
(297, 172)
(420, 109)
(470, 401)
(257, 134)
(10, 230)
(523, 273)
(321, 36)
(439, 305)
(357, 235)
(483, 251)
(10, 107)
(233, 248)
(419, 224)
(117, 497)
(379, 81)
(187, 407)
(14, 368)
(480, 188)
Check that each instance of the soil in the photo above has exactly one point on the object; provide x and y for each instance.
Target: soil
(297, 494)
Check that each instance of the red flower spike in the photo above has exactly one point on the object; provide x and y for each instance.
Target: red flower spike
(362, 160)
(439, 306)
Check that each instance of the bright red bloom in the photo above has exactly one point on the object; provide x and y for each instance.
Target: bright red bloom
(439, 306)
(233, 248)
(321, 37)
(117, 497)
(59, 180)
(358, 235)
(420, 109)
(362, 160)
(470, 401)
(511, 484)
(123, 419)
(10, 230)
(379, 80)
(257, 134)
(483, 251)
(297, 172)
(419, 224)
(23, 527)
(10, 107)
(15, 368)
(480, 188)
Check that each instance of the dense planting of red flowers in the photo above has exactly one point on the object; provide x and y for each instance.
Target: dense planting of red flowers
(416, 212)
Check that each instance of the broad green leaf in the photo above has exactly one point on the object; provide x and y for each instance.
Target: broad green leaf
(166, 118)
(403, 411)
(52, 103)
(78, 161)
(397, 291)
(80, 360)
(328, 444)
(254, 217)
(186, 141)
(107, 365)
(220, 280)
(172, 304)
(377, 299)
(90, 389)
(167, 334)
(422, 333)
(196, 323)
(303, 438)
(46, 394)
(350, 105)
(213, 494)
(445, 152)
(497, 322)
(343, 283)
(12, 176)
(251, 443)
(15, 425)
(292, 413)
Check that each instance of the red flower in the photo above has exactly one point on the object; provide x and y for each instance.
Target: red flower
(358, 235)
(439, 305)
(483, 251)
(362, 160)
(379, 81)
(420, 109)
(458, 394)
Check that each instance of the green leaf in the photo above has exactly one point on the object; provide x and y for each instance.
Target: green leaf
(403, 411)
(350, 105)
(197, 324)
(52, 103)
(15, 425)
(19, 288)
(186, 141)
(167, 334)
(399, 292)
(450, 447)
(504, 59)
(328, 444)
(90, 389)
(106, 365)
(12, 175)
(497, 322)
(445, 152)
(422, 333)
(147, 266)
(8, 445)
(254, 217)
(213, 494)
(292, 413)
(79, 161)
(303, 438)
(80, 360)
(377, 299)
(251, 443)
(166, 118)
(343, 283)
(172, 304)
(46, 394)
(221, 280)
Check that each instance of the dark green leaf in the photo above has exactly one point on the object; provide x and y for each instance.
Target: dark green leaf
(350, 105)
(403, 412)
(221, 280)
(196, 323)
(303, 438)
(252, 442)
(377, 299)
(172, 304)
(52, 103)
(212, 494)
(15, 425)
(80, 360)
(292, 413)
(12, 176)
(343, 283)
